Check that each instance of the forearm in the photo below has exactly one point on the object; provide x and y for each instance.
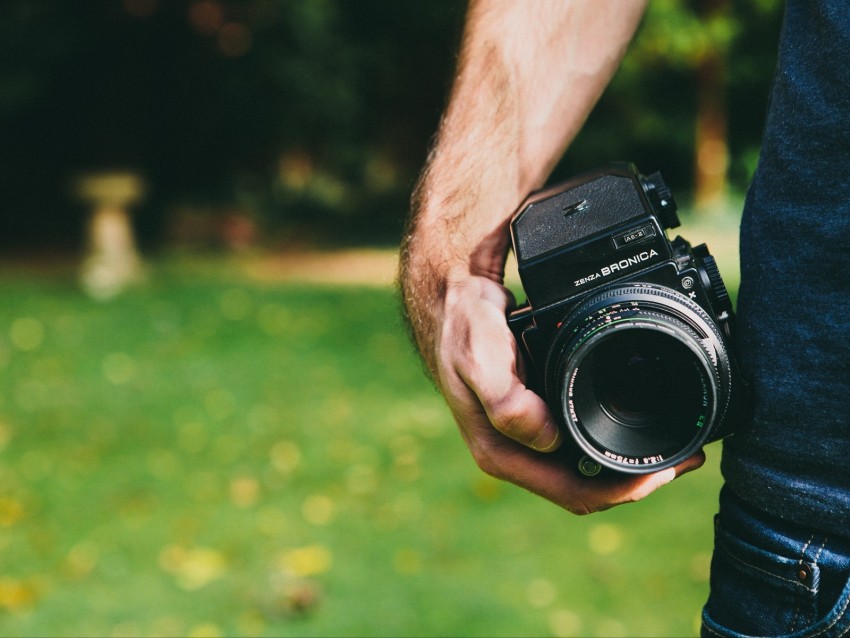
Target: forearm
(528, 75)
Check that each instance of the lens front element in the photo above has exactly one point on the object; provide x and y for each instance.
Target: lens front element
(634, 377)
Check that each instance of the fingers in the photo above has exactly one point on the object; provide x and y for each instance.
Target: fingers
(480, 358)
(554, 476)
(505, 424)
(693, 463)
(620, 490)
(522, 416)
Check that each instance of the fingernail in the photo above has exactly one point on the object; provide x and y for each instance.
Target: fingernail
(666, 476)
(548, 439)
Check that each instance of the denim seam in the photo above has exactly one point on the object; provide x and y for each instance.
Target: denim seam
(796, 618)
(763, 571)
(820, 550)
(710, 630)
(835, 621)
(797, 606)
(805, 547)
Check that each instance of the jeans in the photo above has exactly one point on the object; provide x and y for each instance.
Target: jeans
(793, 324)
(774, 578)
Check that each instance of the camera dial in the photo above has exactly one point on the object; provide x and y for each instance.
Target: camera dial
(659, 194)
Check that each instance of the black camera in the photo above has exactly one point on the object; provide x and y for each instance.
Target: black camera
(626, 334)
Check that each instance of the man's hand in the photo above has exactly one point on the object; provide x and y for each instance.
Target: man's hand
(507, 427)
(528, 75)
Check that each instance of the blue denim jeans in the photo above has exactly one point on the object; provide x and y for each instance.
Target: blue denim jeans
(773, 578)
(793, 323)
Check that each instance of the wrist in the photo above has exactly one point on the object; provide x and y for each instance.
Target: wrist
(438, 258)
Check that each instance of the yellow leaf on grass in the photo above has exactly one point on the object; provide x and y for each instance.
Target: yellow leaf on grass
(193, 568)
(306, 561)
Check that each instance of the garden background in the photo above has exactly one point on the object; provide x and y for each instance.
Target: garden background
(234, 437)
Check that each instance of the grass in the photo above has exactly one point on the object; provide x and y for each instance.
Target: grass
(214, 455)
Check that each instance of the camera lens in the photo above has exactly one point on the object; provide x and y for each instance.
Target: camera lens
(640, 376)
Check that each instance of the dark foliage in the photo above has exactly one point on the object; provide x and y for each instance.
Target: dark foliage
(308, 114)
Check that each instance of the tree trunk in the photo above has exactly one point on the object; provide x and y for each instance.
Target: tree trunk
(711, 146)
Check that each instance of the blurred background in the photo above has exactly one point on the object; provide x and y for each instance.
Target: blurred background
(211, 422)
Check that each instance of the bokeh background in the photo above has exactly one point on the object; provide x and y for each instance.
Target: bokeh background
(211, 421)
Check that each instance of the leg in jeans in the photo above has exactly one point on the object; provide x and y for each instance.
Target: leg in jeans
(773, 578)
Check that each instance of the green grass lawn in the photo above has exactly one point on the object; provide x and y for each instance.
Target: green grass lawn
(210, 455)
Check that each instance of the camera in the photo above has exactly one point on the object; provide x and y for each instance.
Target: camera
(626, 334)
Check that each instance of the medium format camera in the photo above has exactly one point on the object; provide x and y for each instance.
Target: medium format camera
(625, 334)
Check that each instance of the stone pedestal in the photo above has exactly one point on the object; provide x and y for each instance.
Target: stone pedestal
(112, 260)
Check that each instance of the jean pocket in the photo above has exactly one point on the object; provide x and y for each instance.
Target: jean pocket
(757, 592)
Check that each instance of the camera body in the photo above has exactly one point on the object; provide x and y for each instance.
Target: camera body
(626, 334)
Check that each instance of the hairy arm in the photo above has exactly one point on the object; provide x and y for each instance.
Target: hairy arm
(527, 77)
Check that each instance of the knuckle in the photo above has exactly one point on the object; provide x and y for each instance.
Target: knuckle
(509, 418)
(579, 509)
(581, 505)
(488, 462)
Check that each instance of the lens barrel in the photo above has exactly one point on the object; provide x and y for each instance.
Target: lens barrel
(641, 376)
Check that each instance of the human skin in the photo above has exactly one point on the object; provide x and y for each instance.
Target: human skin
(528, 75)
